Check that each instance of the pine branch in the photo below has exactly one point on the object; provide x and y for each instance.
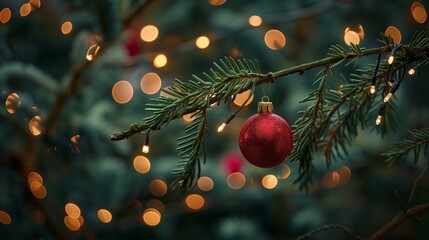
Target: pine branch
(189, 146)
(417, 139)
(331, 121)
(260, 80)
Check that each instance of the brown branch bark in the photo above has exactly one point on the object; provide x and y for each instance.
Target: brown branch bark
(263, 79)
(416, 183)
(398, 220)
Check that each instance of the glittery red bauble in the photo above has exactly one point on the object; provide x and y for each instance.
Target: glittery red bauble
(266, 140)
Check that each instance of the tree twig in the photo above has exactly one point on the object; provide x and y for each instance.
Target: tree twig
(399, 219)
(416, 183)
(328, 227)
(269, 78)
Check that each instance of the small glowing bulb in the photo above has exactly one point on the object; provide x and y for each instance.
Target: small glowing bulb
(372, 89)
(221, 127)
(378, 120)
(411, 71)
(145, 148)
(388, 96)
(391, 58)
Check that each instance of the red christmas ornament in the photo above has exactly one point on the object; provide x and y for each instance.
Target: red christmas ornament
(132, 44)
(232, 162)
(266, 139)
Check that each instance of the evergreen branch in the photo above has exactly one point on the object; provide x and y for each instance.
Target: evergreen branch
(327, 116)
(260, 79)
(329, 227)
(401, 149)
(189, 146)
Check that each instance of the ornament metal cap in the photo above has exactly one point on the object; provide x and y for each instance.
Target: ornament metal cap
(265, 105)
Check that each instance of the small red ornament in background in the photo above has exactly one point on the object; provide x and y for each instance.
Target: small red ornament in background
(232, 162)
(266, 139)
(132, 44)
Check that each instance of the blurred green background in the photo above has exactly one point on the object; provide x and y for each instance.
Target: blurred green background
(79, 164)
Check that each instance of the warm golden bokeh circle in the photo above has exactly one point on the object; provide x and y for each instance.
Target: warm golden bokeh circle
(149, 33)
(122, 92)
(194, 201)
(236, 180)
(150, 83)
(394, 32)
(275, 39)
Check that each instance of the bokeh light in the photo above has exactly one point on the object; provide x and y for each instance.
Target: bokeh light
(345, 174)
(157, 204)
(236, 180)
(351, 37)
(25, 9)
(331, 179)
(274, 39)
(122, 92)
(205, 183)
(160, 61)
(66, 27)
(149, 33)
(269, 181)
(188, 118)
(217, 2)
(35, 4)
(104, 215)
(35, 125)
(418, 11)
(141, 164)
(92, 52)
(158, 187)
(5, 15)
(72, 223)
(13, 102)
(74, 143)
(285, 172)
(394, 32)
(202, 42)
(150, 83)
(151, 217)
(72, 210)
(38, 192)
(241, 98)
(5, 218)
(255, 20)
(194, 201)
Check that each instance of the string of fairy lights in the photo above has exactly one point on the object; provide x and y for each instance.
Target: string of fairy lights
(150, 83)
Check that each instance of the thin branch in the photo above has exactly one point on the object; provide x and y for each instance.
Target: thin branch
(398, 220)
(416, 183)
(329, 227)
(267, 78)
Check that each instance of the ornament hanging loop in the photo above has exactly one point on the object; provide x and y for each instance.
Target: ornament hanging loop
(265, 99)
(265, 105)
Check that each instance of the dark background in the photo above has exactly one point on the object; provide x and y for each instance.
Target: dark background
(97, 173)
